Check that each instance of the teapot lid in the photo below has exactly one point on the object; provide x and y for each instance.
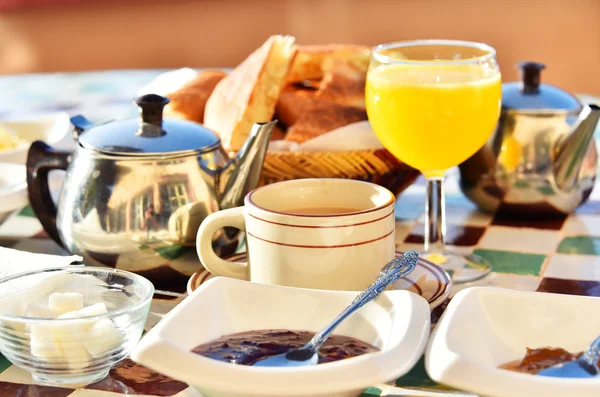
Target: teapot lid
(530, 94)
(149, 134)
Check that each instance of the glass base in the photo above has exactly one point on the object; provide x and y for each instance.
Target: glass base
(461, 268)
(69, 381)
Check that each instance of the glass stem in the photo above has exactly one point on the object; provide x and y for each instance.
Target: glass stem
(435, 216)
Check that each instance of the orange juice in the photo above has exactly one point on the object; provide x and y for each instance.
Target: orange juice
(433, 116)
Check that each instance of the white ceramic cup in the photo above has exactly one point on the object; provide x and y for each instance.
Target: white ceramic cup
(336, 251)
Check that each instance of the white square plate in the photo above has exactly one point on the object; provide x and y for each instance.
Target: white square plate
(397, 323)
(485, 327)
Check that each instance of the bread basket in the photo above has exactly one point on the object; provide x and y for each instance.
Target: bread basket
(374, 165)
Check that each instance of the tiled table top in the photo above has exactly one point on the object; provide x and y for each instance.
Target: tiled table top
(559, 255)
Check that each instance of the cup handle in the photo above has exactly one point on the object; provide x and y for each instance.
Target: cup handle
(233, 217)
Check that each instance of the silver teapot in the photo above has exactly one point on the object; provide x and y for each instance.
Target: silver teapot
(136, 191)
(541, 160)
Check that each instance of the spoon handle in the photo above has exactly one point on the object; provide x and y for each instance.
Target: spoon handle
(398, 267)
(592, 354)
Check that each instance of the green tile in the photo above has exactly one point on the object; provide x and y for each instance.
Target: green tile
(585, 245)
(173, 252)
(513, 262)
(27, 211)
(519, 184)
(371, 391)
(545, 190)
(4, 363)
(242, 244)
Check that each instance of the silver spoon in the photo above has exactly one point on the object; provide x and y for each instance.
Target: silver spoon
(585, 366)
(308, 354)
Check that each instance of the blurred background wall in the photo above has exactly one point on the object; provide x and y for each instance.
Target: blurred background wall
(70, 35)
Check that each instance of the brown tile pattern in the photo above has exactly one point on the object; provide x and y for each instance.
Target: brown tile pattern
(570, 287)
(505, 217)
(133, 379)
(436, 313)
(166, 278)
(7, 243)
(18, 390)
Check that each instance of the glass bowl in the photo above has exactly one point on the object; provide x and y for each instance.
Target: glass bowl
(76, 350)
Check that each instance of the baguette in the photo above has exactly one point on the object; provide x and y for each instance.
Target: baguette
(250, 92)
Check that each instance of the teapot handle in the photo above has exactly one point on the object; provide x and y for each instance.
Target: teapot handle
(41, 159)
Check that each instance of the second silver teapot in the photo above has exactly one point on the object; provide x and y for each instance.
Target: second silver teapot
(542, 158)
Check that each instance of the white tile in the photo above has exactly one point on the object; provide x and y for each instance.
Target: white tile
(467, 217)
(502, 280)
(403, 229)
(20, 226)
(16, 375)
(588, 225)
(152, 320)
(158, 309)
(189, 392)
(40, 246)
(574, 267)
(464, 217)
(163, 306)
(452, 249)
(21, 376)
(460, 211)
(520, 239)
(409, 246)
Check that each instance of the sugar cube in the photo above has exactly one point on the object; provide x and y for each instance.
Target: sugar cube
(43, 344)
(69, 331)
(39, 310)
(69, 341)
(75, 353)
(19, 309)
(48, 350)
(66, 301)
(92, 310)
(102, 337)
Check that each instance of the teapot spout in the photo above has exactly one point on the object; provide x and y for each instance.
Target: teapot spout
(570, 153)
(242, 173)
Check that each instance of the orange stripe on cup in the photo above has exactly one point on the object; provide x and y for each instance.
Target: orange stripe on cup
(321, 227)
(322, 246)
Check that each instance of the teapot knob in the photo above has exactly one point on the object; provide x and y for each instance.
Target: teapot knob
(151, 108)
(530, 76)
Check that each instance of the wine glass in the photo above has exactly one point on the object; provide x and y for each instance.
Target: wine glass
(433, 104)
